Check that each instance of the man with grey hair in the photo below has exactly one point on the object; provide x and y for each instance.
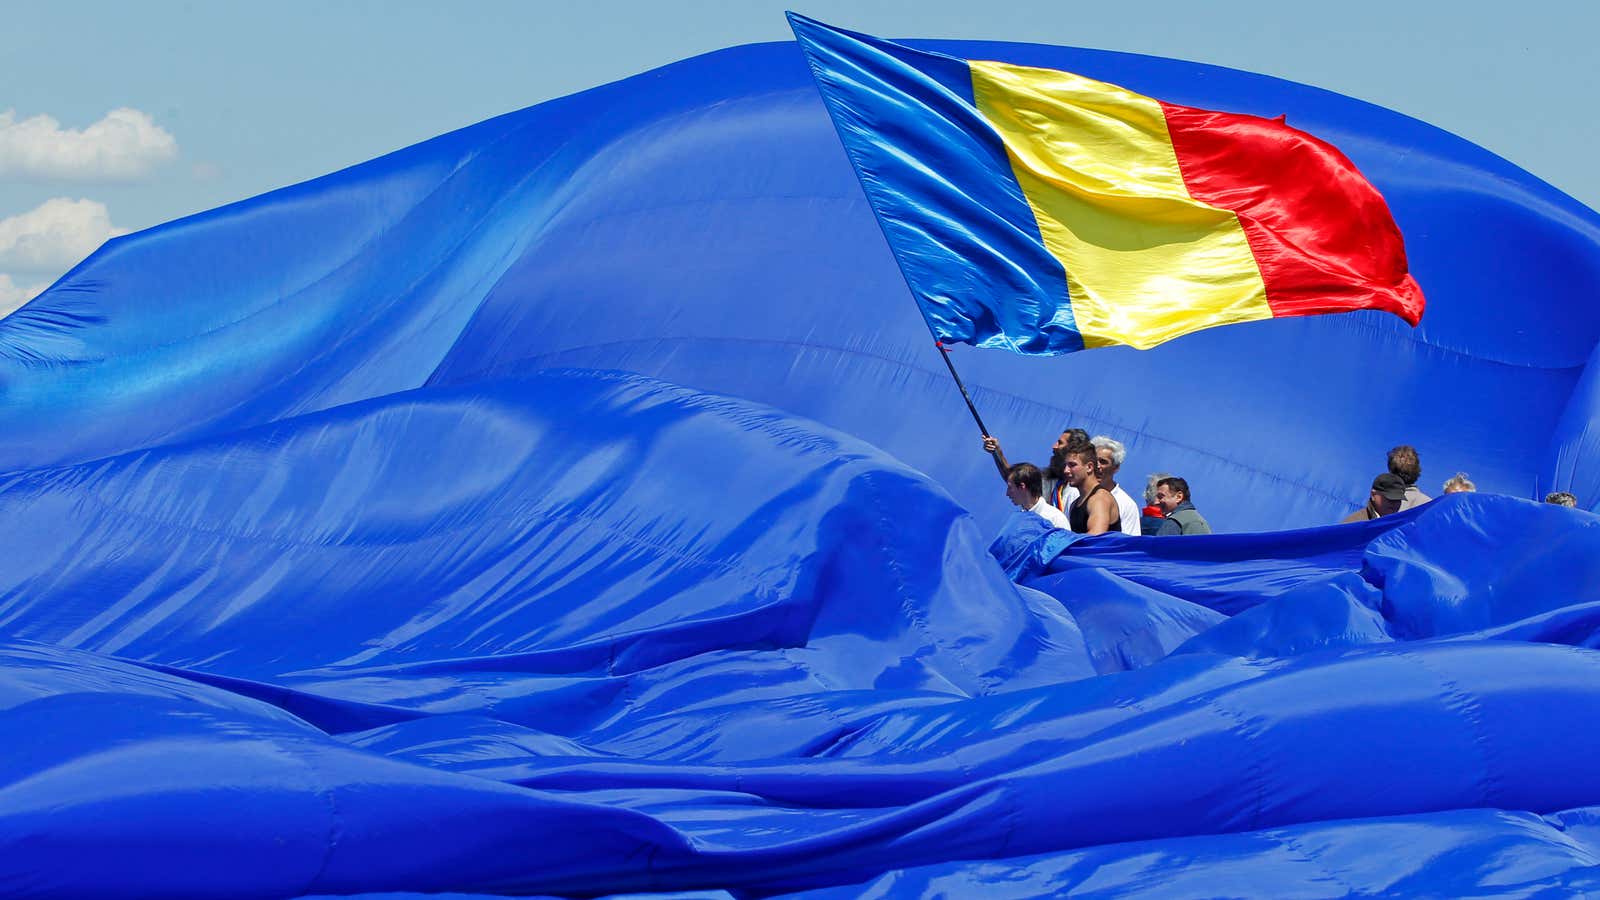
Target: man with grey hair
(1111, 455)
(1152, 516)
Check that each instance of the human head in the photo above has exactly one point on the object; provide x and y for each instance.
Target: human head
(1068, 436)
(1404, 463)
(1024, 484)
(1080, 463)
(1171, 491)
(1058, 450)
(1459, 484)
(1561, 498)
(1150, 486)
(1388, 493)
(1111, 455)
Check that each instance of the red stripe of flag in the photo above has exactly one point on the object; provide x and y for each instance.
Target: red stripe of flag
(1321, 233)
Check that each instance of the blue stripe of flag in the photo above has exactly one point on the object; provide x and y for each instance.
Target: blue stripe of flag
(941, 185)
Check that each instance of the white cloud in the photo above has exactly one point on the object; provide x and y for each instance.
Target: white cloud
(13, 295)
(45, 242)
(56, 235)
(124, 145)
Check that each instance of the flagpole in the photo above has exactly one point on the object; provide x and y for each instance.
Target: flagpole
(945, 352)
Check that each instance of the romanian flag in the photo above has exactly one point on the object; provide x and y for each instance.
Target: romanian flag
(1044, 212)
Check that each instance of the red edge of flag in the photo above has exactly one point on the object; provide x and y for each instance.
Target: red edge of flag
(1322, 235)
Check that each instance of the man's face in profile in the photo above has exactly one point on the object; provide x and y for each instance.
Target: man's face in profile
(1167, 499)
(1018, 495)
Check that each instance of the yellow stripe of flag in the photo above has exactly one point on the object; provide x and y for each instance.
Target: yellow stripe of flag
(1145, 262)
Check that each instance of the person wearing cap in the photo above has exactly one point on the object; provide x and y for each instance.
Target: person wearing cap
(1388, 495)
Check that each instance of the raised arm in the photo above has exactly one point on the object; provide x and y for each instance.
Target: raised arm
(991, 445)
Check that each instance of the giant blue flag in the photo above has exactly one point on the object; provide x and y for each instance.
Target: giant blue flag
(562, 507)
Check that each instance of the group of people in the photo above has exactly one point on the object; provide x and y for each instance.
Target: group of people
(1396, 489)
(1079, 491)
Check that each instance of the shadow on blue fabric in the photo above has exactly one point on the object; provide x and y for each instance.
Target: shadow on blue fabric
(569, 506)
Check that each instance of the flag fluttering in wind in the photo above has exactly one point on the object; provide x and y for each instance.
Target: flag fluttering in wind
(1044, 212)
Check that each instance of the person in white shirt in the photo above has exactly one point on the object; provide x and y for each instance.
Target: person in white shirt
(1053, 487)
(1023, 482)
(1112, 454)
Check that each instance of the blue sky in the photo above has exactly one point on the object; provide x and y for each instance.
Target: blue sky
(119, 116)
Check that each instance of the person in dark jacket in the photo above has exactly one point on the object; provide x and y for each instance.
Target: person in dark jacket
(1172, 495)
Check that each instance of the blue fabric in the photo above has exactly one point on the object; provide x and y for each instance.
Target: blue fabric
(963, 233)
(1573, 460)
(1027, 543)
(571, 505)
(1450, 854)
(1289, 593)
(702, 225)
(492, 658)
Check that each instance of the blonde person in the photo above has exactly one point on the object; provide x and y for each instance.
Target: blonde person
(1459, 483)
